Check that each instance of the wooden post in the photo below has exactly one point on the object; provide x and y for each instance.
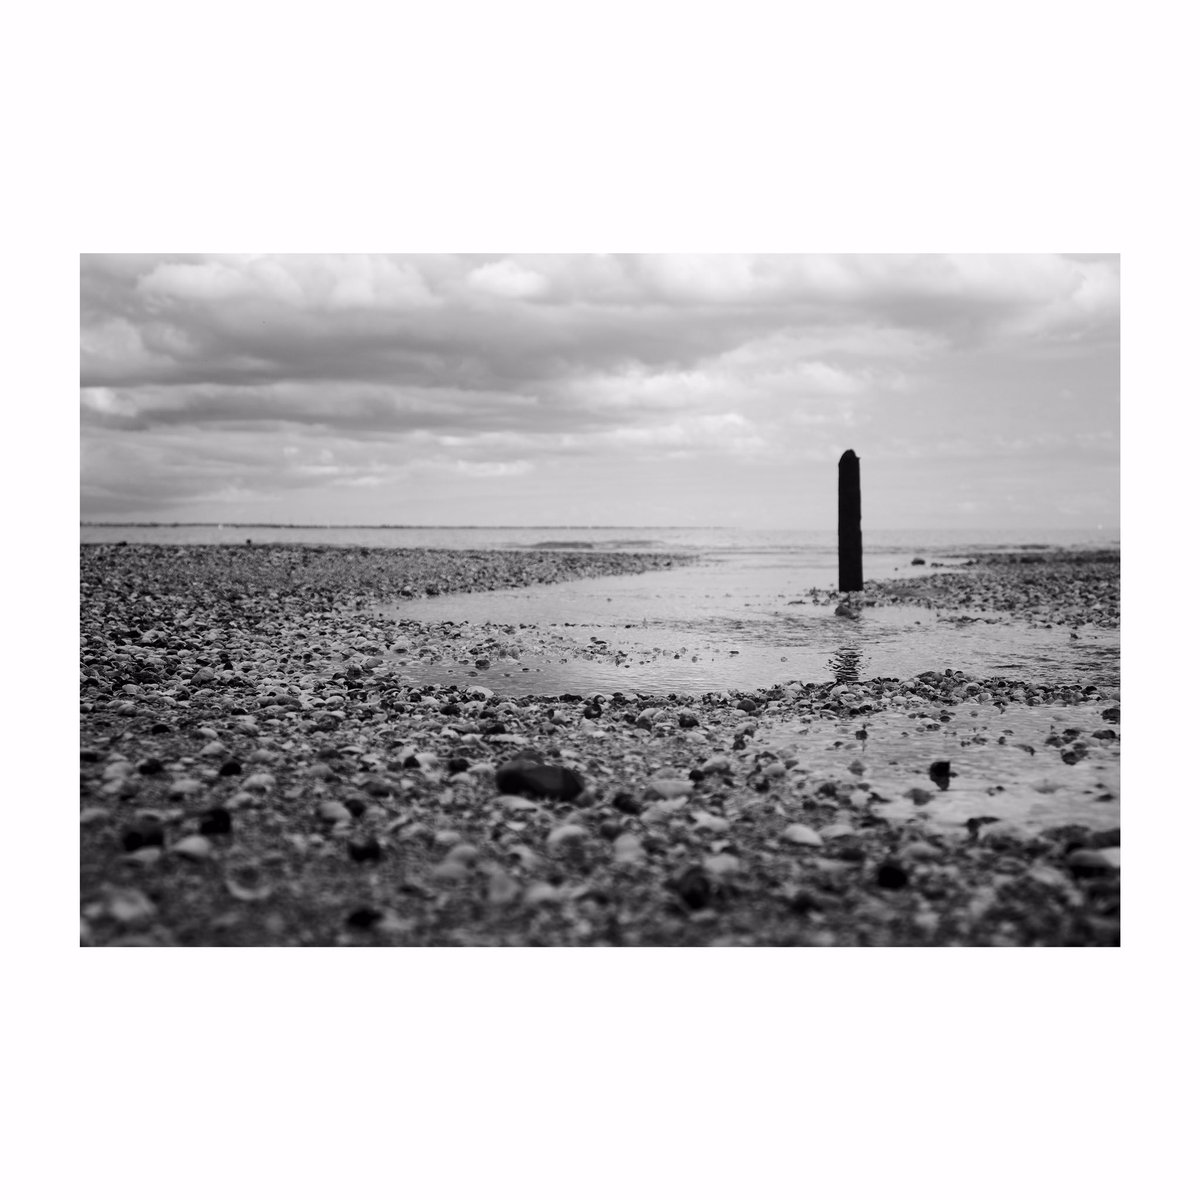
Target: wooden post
(850, 569)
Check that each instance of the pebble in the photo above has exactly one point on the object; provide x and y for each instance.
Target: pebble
(502, 888)
(195, 847)
(364, 917)
(564, 833)
(142, 833)
(542, 893)
(669, 789)
(839, 829)
(364, 849)
(721, 864)
(627, 849)
(216, 821)
(451, 871)
(333, 811)
(551, 782)
(147, 856)
(694, 888)
(1091, 863)
(803, 835)
(128, 905)
(891, 874)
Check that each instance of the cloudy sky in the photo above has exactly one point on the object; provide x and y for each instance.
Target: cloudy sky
(981, 392)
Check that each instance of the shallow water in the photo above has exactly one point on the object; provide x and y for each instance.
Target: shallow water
(1002, 766)
(732, 621)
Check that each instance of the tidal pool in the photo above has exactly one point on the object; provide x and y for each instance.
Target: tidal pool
(733, 622)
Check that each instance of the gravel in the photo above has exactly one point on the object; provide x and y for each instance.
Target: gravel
(256, 682)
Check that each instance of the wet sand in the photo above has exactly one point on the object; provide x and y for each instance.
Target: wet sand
(254, 772)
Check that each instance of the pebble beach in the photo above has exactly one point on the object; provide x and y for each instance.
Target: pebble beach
(255, 770)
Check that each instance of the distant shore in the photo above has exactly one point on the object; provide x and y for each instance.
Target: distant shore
(253, 773)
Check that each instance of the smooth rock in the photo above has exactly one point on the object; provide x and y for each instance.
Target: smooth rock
(129, 906)
(216, 822)
(803, 835)
(535, 779)
(669, 789)
(891, 874)
(195, 847)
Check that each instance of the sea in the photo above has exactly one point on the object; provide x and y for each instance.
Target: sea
(739, 616)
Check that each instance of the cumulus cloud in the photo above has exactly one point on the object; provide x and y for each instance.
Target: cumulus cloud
(211, 379)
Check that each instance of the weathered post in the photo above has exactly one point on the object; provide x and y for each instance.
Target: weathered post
(850, 569)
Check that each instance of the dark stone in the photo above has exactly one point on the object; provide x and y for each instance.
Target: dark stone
(496, 729)
(696, 775)
(1104, 735)
(230, 767)
(687, 721)
(216, 821)
(160, 727)
(693, 888)
(592, 712)
(940, 773)
(90, 756)
(1071, 757)
(450, 710)
(625, 802)
(457, 765)
(150, 766)
(747, 706)
(1103, 839)
(535, 779)
(803, 903)
(411, 764)
(610, 829)
(891, 874)
(365, 849)
(1089, 864)
(918, 562)
(365, 917)
(1112, 714)
(356, 805)
(141, 833)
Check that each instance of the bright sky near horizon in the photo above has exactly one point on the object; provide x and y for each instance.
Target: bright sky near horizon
(979, 391)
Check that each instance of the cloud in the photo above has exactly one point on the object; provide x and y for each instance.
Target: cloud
(225, 376)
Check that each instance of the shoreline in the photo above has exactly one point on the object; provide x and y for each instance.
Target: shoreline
(250, 775)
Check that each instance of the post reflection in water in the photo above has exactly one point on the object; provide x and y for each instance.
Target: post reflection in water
(846, 664)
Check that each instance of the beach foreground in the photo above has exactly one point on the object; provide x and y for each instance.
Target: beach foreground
(254, 773)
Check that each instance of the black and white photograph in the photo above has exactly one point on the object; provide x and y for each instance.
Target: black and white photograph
(587, 596)
(600, 600)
